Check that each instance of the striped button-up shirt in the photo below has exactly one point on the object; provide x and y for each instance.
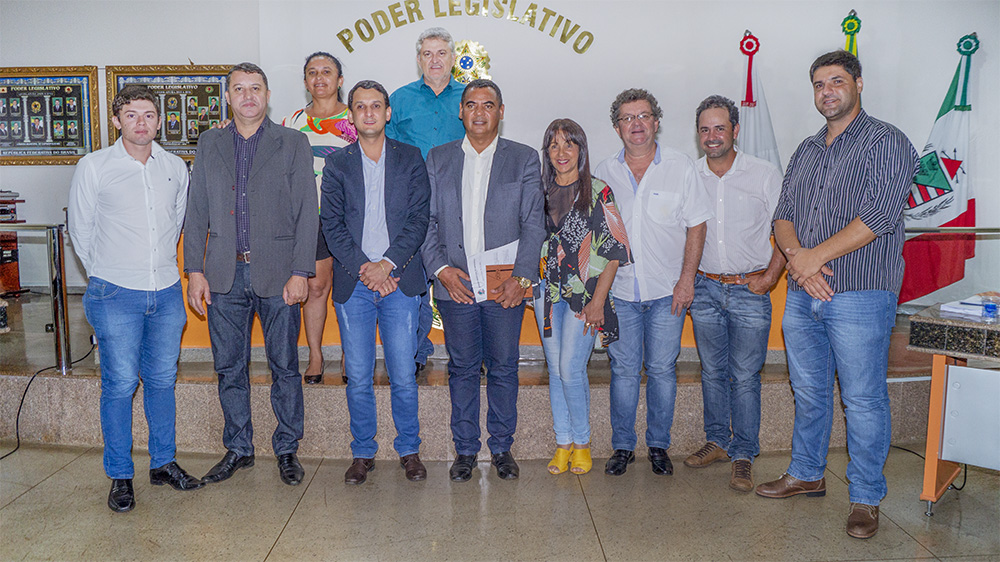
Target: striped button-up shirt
(866, 172)
(244, 150)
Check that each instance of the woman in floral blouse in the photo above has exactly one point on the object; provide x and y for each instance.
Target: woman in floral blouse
(585, 246)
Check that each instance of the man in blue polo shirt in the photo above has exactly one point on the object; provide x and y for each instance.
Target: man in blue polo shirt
(425, 114)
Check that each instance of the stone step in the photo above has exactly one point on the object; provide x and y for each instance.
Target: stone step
(64, 410)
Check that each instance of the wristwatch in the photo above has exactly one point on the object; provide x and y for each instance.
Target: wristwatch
(524, 282)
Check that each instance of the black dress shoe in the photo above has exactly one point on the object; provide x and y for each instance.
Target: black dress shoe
(290, 469)
(357, 473)
(619, 461)
(171, 473)
(506, 467)
(227, 466)
(660, 461)
(313, 379)
(121, 498)
(461, 469)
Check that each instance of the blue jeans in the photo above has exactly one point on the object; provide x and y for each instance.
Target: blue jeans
(139, 336)
(850, 336)
(650, 334)
(230, 319)
(425, 348)
(731, 325)
(477, 334)
(395, 316)
(567, 352)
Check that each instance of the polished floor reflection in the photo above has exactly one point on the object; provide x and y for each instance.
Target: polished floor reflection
(52, 507)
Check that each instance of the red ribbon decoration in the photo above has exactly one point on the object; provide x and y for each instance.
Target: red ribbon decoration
(749, 45)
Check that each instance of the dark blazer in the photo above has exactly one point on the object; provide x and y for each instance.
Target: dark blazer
(281, 189)
(407, 205)
(515, 208)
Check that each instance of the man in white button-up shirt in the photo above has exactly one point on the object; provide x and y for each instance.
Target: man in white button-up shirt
(731, 312)
(126, 208)
(664, 206)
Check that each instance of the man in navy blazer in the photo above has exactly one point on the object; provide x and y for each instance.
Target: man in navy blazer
(485, 193)
(376, 200)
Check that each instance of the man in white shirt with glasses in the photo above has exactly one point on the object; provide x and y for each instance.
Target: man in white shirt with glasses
(664, 206)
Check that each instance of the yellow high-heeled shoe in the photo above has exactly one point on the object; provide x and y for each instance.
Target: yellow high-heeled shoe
(580, 461)
(560, 461)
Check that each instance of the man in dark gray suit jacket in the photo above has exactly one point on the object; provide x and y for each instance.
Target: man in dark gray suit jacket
(249, 245)
(376, 201)
(485, 193)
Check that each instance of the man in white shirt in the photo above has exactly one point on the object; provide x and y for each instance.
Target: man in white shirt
(126, 208)
(486, 193)
(664, 206)
(731, 312)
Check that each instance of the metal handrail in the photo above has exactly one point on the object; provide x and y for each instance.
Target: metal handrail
(955, 230)
(54, 235)
(28, 226)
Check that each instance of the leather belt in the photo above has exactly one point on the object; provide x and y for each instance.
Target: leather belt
(243, 257)
(730, 278)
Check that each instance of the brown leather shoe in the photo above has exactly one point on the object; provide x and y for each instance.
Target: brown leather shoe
(862, 523)
(709, 453)
(741, 478)
(415, 470)
(358, 471)
(786, 486)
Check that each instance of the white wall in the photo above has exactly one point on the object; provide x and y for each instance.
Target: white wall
(682, 51)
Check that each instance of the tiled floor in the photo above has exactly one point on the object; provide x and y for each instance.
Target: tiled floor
(52, 507)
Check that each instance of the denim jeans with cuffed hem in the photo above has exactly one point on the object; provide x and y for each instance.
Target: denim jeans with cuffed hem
(567, 352)
(230, 320)
(848, 336)
(474, 335)
(731, 326)
(138, 337)
(648, 334)
(395, 317)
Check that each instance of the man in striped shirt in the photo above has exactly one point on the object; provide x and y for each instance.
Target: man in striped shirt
(839, 223)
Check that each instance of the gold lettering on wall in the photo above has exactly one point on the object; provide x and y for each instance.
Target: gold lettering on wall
(398, 14)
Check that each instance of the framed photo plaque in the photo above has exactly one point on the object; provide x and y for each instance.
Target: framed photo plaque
(190, 97)
(48, 114)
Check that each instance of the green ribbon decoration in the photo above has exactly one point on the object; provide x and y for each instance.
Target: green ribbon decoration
(851, 26)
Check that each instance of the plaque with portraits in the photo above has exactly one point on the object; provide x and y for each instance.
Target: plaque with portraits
(48, 114)
(190, 99)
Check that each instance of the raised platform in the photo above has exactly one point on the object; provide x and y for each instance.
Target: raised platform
(64, 410)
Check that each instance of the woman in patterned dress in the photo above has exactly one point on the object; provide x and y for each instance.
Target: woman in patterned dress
(585, 245)
(325, 123)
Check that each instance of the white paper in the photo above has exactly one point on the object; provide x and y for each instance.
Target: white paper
(477, 266)
(971, 307)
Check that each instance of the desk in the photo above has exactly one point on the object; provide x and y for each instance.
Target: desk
(953, 341)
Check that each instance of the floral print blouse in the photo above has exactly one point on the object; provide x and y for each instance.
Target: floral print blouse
(576, 253)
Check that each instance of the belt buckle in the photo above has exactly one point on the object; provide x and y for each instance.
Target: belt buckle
(243, 256)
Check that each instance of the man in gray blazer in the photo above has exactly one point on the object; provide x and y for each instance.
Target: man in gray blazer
(249, 245)
(485, 193)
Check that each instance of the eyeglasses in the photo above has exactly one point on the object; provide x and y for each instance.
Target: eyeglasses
(626, 119)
